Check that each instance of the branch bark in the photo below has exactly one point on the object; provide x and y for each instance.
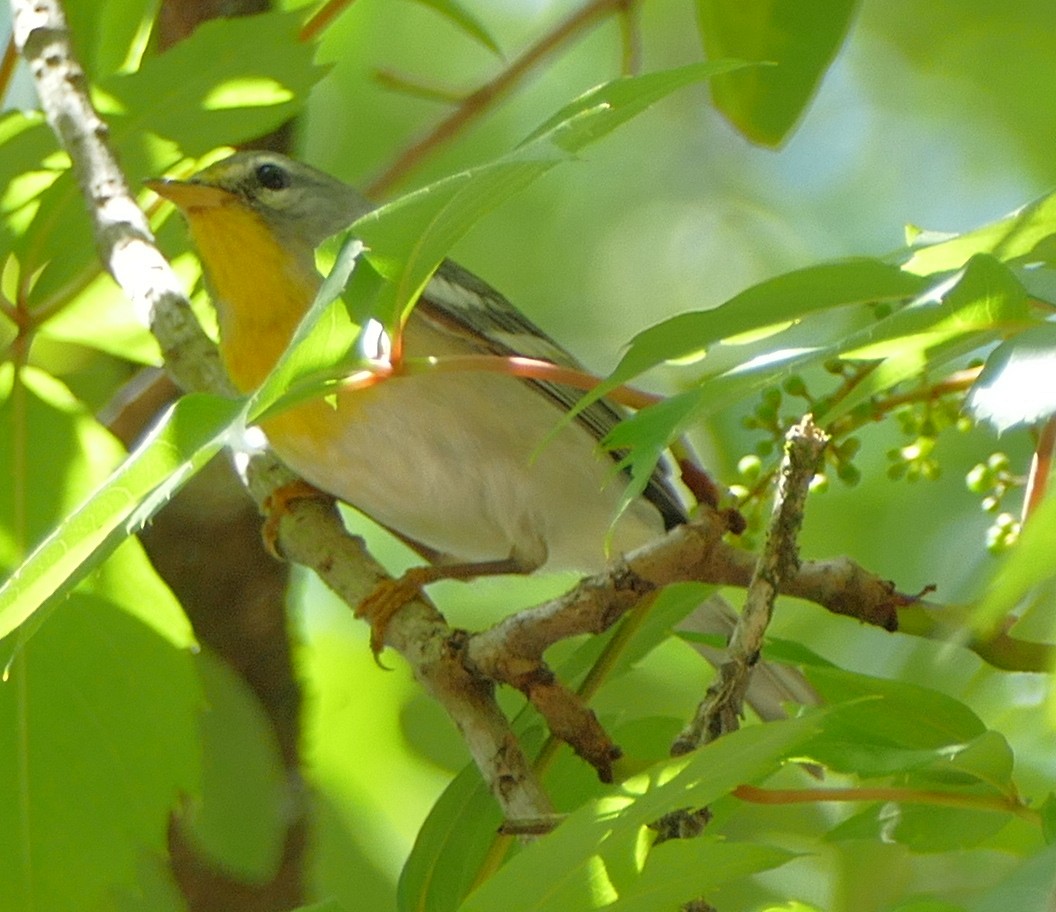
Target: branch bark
(722, 708)
(308, 533)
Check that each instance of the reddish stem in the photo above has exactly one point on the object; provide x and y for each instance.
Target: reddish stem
(322, 17)
(757, 795)
(478, 101)
(1040, 469)
(513, 366)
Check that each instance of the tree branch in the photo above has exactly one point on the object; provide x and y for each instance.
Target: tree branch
(723, 706)
(309, 533)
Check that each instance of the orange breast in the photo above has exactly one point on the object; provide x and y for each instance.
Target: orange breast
(261, 291)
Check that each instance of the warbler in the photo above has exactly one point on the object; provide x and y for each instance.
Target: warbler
(457, 463)
(464, 467)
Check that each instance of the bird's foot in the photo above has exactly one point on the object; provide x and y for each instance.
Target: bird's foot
(277, 505)
(389, 596)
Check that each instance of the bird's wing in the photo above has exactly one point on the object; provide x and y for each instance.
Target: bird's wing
(459, 303)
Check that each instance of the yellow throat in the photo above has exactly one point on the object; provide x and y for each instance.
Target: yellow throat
(242, 211)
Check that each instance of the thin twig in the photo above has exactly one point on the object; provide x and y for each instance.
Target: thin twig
(483, 98)
(511, 365)
(322, 17)
(1040, 469)
(7, 66)
(722, 707)
(997, 803)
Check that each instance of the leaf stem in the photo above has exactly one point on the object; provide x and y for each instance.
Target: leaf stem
(1040, 468)
(484, 97)
(7, 66)
(512, 365)
(322, 17)
(1001, 804)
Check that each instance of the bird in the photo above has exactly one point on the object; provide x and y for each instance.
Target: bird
(474, 470)
(465, 466)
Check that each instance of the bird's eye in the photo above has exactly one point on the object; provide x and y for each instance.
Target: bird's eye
(272, 176)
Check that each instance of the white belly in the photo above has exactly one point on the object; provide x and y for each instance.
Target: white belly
(460, 463)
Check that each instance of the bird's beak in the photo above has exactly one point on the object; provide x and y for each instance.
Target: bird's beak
(190, 195)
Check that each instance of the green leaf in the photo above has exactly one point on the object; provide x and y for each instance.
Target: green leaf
(1048, 818)
(57, 249)
(769, 307)
(1013, 237)
(190, 433)
(646, 436)
(38, 415)
(802, 39)
(925, 357)
(98, 742)
(229, 81)
(27, 142)
(322, 348)
(109, 36)
(1031, 886)
(984, 295)
(594, 858)
(463, 19)
(773, 303)
(409, 237)
(894, 726)
(450, 846)
(987, 759)
(961, 314)
(921, 827)
(683, 869)
(1015, 384)
(1021, 569)
(599, 111)
(101, 317)
(647, 433)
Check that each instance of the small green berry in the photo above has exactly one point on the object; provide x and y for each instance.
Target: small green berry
(750, 467)
(979, 478)
(998, 462)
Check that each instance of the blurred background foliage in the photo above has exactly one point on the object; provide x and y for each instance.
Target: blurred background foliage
(938, 116)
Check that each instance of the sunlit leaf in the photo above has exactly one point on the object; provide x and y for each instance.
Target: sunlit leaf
(190, 433)
(1015, 386)
(775, 301)
(256, 59)
(450, 847)
(410, 236)
(322, 347)
(589, 858)
(601, 110)
(1013, 237)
